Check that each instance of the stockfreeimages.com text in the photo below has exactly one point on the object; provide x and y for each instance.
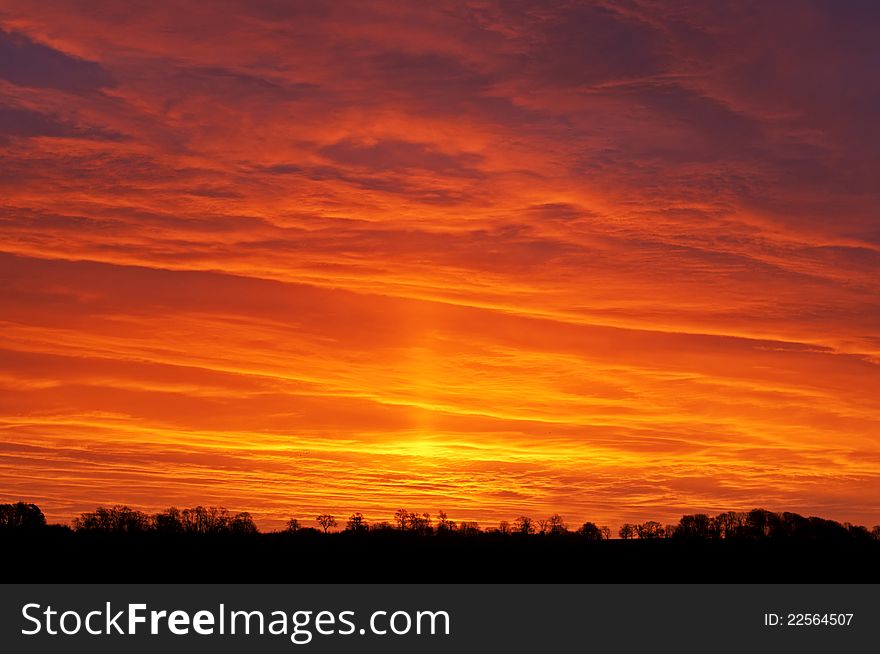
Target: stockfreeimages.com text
(301, 626)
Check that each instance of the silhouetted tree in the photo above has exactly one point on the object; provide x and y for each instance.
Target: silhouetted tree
(205, 520)
(693, 526)
(168, 521)
(243, 524)
(444, 524)
(469, 528)
(790, 525)
(356, 523)
(420, 524)
(760, 523)
(292, 526)
(814, 528)
(590, 531)
(401, 516)
(116, 519)
(556, 525)
(326, 521)
(650, 529)
(730, 524)
(21, 515)
(523, 525)
(857, 532)
(756, 524)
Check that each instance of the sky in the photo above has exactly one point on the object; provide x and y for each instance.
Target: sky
(613, 260)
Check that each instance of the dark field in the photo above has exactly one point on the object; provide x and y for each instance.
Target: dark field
(61, 555)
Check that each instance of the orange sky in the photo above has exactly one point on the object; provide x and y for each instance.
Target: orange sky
(619, 262)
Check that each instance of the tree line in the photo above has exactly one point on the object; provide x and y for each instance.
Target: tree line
(757, 524)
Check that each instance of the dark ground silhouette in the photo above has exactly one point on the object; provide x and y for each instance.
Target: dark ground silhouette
(118, 544)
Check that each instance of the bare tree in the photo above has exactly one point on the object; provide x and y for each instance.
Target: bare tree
(21, 515)
(168, 521)
(627, 531)
(356, 523)
(326, 521)
(699, 526)
(730, 524)
(556, 525)
(759, 523)
(523, 525)
(650, 529)
(205, 520)
(116, 519)
(469, 528)
(444, 524)
(401, 516)
(293, 526)
(590, 531)
(420, 524)
(242, 523)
